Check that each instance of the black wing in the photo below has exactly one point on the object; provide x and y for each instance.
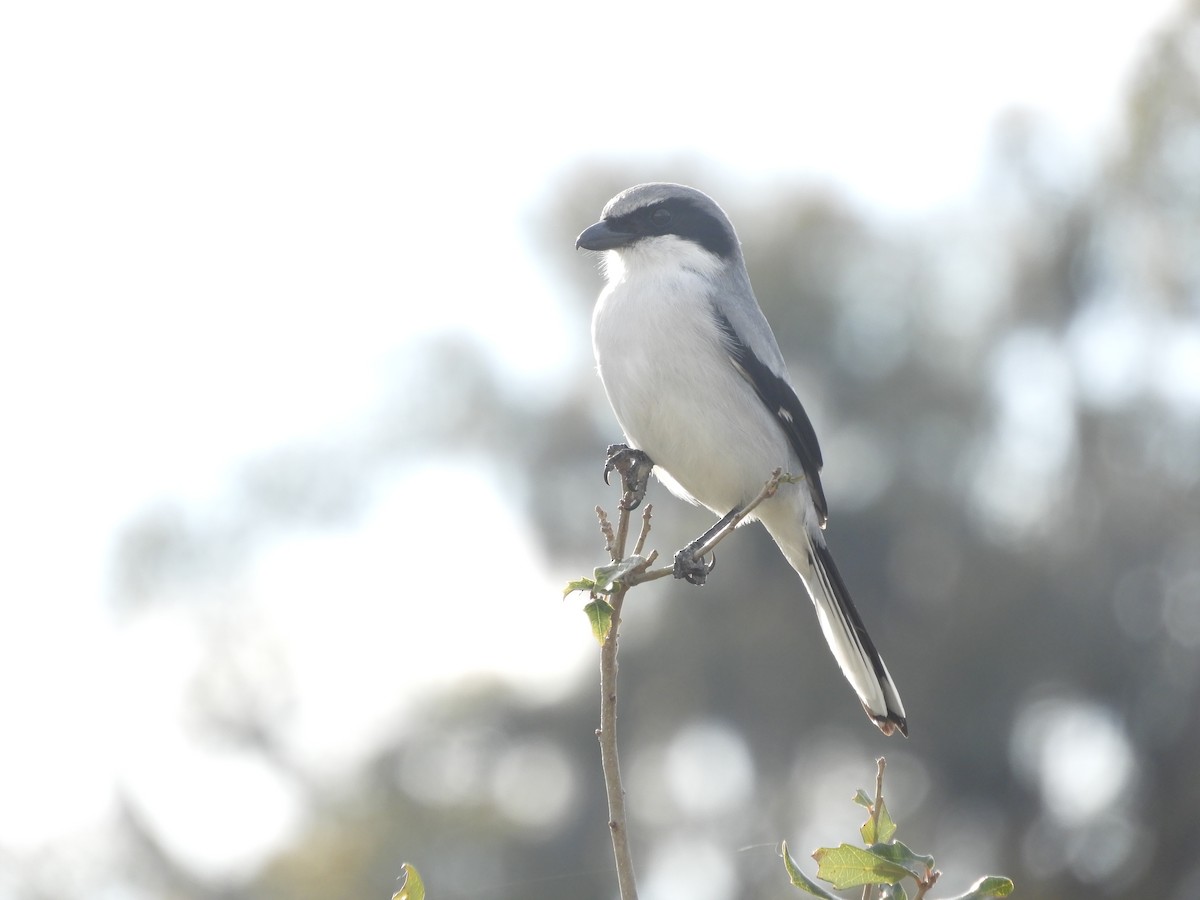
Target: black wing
(779, 398)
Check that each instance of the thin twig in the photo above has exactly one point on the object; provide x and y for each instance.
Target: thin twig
(880, 765)
(607, 531)
(876, 807)
(768, 490)
(607, 734)
(609, 759)
(622, 525)
(925, 886)
(645, 532)
(615, 541)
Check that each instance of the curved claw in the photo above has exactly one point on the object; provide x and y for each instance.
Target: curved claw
(634, 467)
(691, 568)
(612, 457)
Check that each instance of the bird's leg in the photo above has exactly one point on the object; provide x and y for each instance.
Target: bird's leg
(634, 467)
(689, 565)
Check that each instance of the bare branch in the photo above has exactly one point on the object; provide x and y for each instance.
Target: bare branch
(609, 758)
(606, 530)
(924, 886)
(607, 733)
(615, 540)
(768, 491)
(869, 889)
(645, 532)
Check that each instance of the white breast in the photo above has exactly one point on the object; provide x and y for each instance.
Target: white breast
(670, 381)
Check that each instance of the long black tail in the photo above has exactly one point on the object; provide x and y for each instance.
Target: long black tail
(845, 633)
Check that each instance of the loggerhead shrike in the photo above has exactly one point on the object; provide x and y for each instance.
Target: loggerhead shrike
(696, 380)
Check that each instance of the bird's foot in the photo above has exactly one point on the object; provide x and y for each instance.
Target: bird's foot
(634, 467)
(691, 567)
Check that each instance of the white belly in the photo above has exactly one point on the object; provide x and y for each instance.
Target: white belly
(678, 397)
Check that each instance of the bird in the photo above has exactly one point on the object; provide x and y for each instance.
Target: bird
(698, 385)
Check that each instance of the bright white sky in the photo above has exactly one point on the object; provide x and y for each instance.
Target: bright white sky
(216, 221)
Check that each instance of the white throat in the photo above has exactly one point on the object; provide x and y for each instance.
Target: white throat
(664, 258)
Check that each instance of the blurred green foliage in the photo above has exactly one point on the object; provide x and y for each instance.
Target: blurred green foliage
(882, 864)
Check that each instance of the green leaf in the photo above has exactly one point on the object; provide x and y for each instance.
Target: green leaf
(599, 613)
(988, 886)
(863, 799)
(848, 866)
(898, 892)
(579, 584)
(916, 864)
(412, 888)
(802, 881)
(887, 826)
(607, 577)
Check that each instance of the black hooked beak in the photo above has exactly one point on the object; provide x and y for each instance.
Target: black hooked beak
(603, 236)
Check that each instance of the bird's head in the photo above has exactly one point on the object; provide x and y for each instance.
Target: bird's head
(662, 224)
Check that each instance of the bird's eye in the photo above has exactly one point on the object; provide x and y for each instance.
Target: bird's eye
(660, 218)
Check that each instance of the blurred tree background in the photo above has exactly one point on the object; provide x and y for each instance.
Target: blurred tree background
(1008, 397)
